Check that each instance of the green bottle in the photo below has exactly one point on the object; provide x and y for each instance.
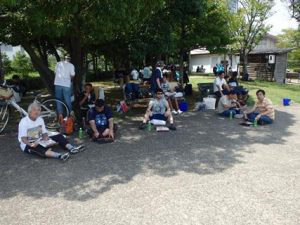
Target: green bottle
(231, 115)
(255, 123)
(80, 133)
(149, 126)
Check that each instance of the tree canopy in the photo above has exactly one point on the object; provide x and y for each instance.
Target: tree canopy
(124, 32)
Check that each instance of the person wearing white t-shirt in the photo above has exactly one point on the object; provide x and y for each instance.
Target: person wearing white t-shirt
(135, 74)
(228, 105)
(220, 85)
(32, 133)
(64, 74)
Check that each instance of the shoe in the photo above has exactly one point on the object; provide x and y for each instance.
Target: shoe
(142, 126)
(174, 112)
(179, 112)
(77, 149)
(172, 127)
(65, 157)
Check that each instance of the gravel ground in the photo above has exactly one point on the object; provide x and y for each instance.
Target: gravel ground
(210, 171)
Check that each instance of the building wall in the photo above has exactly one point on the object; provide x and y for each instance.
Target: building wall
(265, 44)
(209, 61)
(280, 68)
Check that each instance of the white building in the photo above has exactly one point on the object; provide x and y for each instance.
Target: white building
(199, 57)
(10, 50)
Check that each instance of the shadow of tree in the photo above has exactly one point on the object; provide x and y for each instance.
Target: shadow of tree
(203, 144)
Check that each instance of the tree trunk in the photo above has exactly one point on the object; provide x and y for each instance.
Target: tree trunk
(245, 64)
(46, 74)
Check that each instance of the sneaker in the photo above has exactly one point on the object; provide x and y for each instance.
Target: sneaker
(179, 112)
(172, 127)
(142, 126)
(77, 149)
(174, 112)
(65, 157)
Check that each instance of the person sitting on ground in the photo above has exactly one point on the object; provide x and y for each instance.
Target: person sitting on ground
(32, 130)
(228, 105)
(233, 82)
(263, 111)
(220, 85)
(86, 100)
(132, 88)
(170, 95)
(101, 121)
(158, 109)
(242, 93)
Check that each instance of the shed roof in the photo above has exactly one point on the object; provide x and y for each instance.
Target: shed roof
(271, 51)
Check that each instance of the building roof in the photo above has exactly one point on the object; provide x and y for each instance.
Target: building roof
(199, 51)
(271, 51)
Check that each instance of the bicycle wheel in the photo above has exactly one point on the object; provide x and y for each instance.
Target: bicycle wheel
(4, 116)
(49, 112)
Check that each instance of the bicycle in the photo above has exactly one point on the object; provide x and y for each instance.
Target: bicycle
(48, 111)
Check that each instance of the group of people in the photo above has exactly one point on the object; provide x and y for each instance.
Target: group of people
(231, 101)
(99, 116)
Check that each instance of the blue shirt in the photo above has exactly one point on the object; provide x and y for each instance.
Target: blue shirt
(100, 118)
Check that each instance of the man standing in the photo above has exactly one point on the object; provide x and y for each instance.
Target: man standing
(220, 85)
(157, 77)
(64, 74)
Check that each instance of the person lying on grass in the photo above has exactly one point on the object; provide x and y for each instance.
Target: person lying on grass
(158, 109)
(32, 131)
(101, 121)
(170, 96)
(228, 104)
(263, 110)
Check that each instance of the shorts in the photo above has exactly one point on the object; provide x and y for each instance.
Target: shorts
(39, 151)
(158, 117)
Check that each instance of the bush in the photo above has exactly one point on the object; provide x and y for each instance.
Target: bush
(21, 64)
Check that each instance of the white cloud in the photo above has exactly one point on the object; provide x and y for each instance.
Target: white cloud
(281, 18)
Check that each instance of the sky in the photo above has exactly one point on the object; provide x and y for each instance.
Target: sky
(281, 19)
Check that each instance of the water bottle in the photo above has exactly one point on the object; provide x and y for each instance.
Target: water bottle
(230, 115)
(149, 126)
(255, 123)
(80, 133)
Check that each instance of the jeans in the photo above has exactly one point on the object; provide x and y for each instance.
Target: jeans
(263, 119)
(226, 113)
(63, 94)
(132, 91)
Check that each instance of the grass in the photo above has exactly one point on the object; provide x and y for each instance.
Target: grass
(274, 91)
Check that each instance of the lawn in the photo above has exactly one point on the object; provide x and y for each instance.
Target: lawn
(276, 92)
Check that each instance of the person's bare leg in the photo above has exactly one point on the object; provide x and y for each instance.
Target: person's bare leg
(51, 154)
(170, 117)
(170, 104)
(147, 117)
(176, 103)
(105, 133)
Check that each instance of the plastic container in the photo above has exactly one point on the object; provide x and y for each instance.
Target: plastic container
(183, 106)
(287, 101)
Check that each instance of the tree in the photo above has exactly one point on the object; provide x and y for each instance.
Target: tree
(21, 64)
(294, 6)
(290, 38)
(6, 63)
(249, 26)
(42, 27)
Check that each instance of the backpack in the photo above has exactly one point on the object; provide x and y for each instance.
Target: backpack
(188, 90)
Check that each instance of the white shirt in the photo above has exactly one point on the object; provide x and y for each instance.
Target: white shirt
(224, 100)
(135, 74)
(219, 83)
(33, 130)
(63, 73)
(147, 72)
